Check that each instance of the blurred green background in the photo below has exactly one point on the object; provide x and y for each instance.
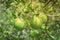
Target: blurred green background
(29, 19)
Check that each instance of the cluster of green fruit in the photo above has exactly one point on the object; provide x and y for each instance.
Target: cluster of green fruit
(36, 22)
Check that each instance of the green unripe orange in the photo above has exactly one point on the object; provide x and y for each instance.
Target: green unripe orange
(26, 10)
(19, 23)
(36, 22)
(43, 16)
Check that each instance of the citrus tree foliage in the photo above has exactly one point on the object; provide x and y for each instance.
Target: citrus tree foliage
(29, 19)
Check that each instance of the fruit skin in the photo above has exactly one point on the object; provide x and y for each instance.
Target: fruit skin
(19, 23)
(26, 10)
(36, 22)
(43, 16)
